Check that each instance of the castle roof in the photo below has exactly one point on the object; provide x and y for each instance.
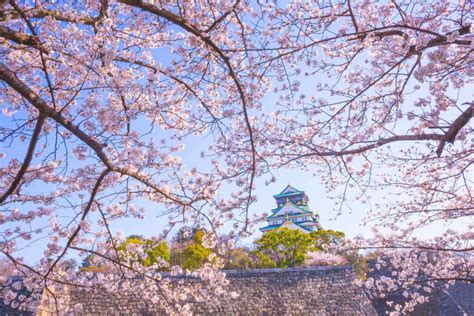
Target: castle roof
(303, 208)
(289, 190)
(268, 227)
(288, 224)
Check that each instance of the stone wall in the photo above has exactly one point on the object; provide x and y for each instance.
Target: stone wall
(293, 291)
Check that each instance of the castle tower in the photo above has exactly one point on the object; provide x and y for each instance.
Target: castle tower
(293, 212)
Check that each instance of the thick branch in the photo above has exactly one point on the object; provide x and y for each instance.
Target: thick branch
(21, 38)
(454, 129)
(354, 22)
(394, 30)
(9, 77)
(58, 15)
(26, 162)
(376, 144)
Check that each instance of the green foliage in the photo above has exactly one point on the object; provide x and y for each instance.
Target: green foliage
(279, 248)
(283, 247)
(153, 251)
(359, 262)
(325, 237)
(264, 260)
(194, 256)
(191, 255)
(239, 259)
(161, 250)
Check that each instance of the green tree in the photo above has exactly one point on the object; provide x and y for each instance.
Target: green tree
(239, 258)
(325, 237)
(154, 251)
(283, 247)
(192, 254)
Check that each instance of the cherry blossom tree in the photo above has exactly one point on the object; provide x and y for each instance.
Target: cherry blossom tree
(99, 98)
(376, 99)
(320, 258)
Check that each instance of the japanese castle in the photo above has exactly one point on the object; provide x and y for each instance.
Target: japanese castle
(293, 212)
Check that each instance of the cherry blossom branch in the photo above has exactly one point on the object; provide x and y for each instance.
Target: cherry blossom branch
(206, 39)
(106, 224)
(88, 207)
(26, 161)
(376, 144)
(27, 267)
(456, 126)
(354, 22)
(179, 81)
(9, 77)
(469, 249)
(222, 17)
(39, 13)
(21, 38)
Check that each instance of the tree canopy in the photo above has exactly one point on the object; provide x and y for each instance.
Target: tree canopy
(191, 254)
(286, 247)
(153, 252)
